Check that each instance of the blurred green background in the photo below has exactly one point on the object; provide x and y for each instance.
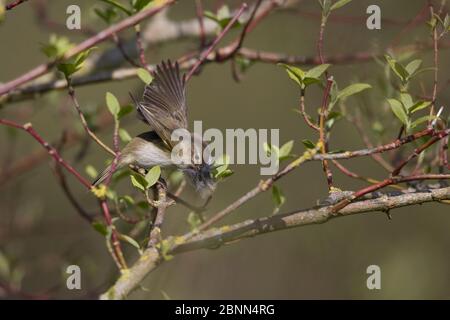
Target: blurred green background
(41, 233)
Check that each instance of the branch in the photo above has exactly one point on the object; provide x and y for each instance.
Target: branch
(255, 55)
(225, 30)
(99, 37)
(216, 237)
(84, 121)
(37, 156)
(14, 4)
(50, 150)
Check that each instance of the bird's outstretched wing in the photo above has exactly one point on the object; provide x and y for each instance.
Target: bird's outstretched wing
(163, 104)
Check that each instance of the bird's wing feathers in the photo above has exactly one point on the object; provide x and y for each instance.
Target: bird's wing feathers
(163, 104)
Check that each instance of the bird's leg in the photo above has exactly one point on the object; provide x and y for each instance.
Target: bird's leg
(186, 204)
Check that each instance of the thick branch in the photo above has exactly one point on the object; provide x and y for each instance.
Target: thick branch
(218, 236)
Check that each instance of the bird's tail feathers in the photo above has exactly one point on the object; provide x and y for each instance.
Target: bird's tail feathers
(102, 176)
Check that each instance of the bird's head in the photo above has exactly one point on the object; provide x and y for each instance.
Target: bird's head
(201, 177)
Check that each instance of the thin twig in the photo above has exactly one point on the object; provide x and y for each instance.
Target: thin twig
(435, 61)
(89, 43)
(322, 135)
(261, 187)
(31, 90)
(14, 4)
(390, 181)
(418, 151)
(199, 13)
(354, 175)
(305, 115)
(122, 50)
(140, 48)
(50, 150)
(84, 121)
(225, 30)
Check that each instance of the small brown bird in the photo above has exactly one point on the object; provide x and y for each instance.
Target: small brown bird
(163, 108)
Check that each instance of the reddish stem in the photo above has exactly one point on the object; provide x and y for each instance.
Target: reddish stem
(51, 150)
(419, 150)
(205, 53)
(99, 37)
(14, 4)
(322, 137)
(393, 180)
(199, 13)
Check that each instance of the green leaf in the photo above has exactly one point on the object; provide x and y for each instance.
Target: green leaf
(422, 71)
(269, 149)
(221, 167)
(317, 71)
(334, 91)
(139, 182)
(308, 81)
(124, 111)
(119, 6)
(194, 220)
(145, 76)
(286, 149)
(419, 105)
(130, 241)
(398, 69)
(421, 120)
(81, 57)
(223, 12)
(339, 4)
(91, 171)
(333, 116)
(100, 227)
(70, 67)
(67, 69)
(127, 200)
(352, 89)
(165, 246)
(210, 15)
(56, 47)
(378, 127)
(124, 135)
(224, 159)
(108, 15)
(153, 175)
(277, 196)
(113, 104)
(295, 73)
(413, 66)
(399, 111)
(407, 100)
(222, 18)
(325, 4)
(138, 5)
(308, 144)
(224, 174)
(111, 194)
(243, 63)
